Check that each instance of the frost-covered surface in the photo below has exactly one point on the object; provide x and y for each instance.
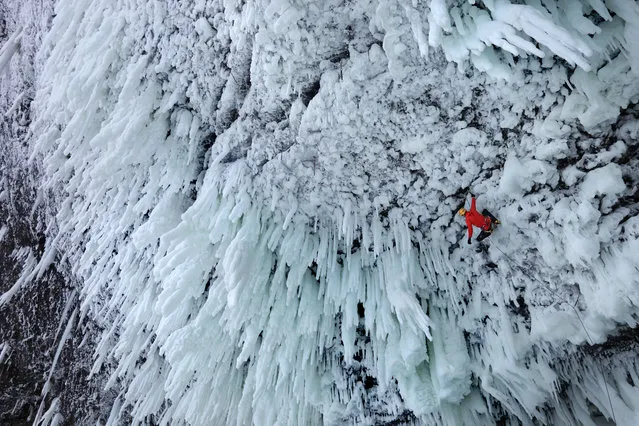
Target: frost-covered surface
(44, 357)
(259, 203)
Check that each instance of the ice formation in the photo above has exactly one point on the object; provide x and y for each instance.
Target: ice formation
(257, 201)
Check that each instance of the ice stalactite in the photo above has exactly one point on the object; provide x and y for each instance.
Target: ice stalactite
(9, 48)
(495, 34)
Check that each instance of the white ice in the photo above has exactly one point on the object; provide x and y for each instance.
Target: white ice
(259, 203)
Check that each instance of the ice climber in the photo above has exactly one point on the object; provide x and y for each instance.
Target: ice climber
(486, 221)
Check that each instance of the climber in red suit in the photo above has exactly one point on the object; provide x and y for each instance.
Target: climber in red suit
(485, 221)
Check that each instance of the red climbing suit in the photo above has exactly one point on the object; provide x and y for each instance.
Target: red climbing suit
(473, 217)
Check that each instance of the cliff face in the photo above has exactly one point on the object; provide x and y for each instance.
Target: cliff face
(246, 212)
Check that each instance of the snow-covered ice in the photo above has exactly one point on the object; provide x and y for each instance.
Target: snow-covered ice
(257, 200)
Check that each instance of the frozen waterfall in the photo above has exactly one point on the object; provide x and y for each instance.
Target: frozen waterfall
(256, 202)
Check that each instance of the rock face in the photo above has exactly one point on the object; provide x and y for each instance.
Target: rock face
(245, 211)
(45, 355)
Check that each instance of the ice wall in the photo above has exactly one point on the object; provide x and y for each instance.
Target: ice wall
(259, 201)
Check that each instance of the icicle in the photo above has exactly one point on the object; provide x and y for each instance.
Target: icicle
(376, 229)
(47, 385)
(10, 47)
(289, 215)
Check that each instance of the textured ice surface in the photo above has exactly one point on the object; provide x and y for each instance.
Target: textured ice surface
(259, 203)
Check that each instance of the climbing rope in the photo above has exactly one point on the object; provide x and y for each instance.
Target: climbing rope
(554, 294)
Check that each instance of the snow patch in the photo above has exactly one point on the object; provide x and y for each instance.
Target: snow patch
(606, 181)
(519, 177)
